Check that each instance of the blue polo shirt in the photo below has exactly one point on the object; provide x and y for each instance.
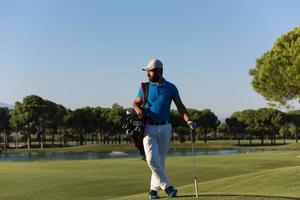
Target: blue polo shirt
(159, 101)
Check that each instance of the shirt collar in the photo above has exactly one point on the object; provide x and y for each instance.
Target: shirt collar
(162, 83)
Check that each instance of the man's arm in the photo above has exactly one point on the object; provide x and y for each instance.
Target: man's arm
(184, 113)
(137, 106)
(182, 110)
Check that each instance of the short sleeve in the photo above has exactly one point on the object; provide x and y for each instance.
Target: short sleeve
(175, 93)
(140, 93)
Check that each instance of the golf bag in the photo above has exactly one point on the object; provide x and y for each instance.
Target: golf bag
(134, 127)
(134, 124)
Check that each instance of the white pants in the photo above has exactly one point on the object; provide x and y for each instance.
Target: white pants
(156, 142)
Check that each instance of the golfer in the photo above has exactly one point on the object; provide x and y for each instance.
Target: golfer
(157, 133)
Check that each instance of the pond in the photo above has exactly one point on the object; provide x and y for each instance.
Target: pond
(40, 156)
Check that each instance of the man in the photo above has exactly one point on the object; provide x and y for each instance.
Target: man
(157, 133)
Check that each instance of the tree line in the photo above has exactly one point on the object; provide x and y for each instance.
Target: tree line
(39, 122)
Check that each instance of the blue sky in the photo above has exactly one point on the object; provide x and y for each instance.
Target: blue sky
(90, 53)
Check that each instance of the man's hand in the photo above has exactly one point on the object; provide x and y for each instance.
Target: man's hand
(140, 112)
(192, 125)
(136, 106)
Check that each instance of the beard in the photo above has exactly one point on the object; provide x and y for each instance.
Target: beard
(154, 79)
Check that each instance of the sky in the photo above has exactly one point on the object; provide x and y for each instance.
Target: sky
(90, 53)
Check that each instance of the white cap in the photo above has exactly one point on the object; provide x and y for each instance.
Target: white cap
(153, 64)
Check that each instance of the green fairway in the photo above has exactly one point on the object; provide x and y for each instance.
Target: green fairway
(255, 176)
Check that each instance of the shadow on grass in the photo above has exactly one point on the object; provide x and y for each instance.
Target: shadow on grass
(185, 196)
(231, 197)
(178, 196)
(240, 195)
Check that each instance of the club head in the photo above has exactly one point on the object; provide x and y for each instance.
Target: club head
(128, 132)
(130, 111)
(125, 126)
(137, 123)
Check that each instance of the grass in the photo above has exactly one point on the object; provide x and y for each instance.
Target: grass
(254, 176)
(200, 145)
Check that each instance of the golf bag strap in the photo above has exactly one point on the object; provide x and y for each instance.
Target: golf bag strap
(144, 86)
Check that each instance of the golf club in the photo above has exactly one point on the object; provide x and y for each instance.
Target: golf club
(193, 139)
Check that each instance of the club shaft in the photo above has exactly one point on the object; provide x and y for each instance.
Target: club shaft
(196, 187)
(194, 164)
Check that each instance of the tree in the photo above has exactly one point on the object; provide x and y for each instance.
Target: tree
(235, 126)
(48, 110)
(223, 129)
(21, 121)
(59, 123)
(207, 121)
(54, 119)
(269, 121)
(284, 130)
(33, 115)
(66, 127)
(179, 126)
(4, 124)
(74, 122)
(293, 117)
(88, 121)
(36, 108)
(19, 118)
(247, 118)
(102, 123)
(71, 121)
(116, 117)
(276, 75)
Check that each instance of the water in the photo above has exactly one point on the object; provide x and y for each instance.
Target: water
(41, 156)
